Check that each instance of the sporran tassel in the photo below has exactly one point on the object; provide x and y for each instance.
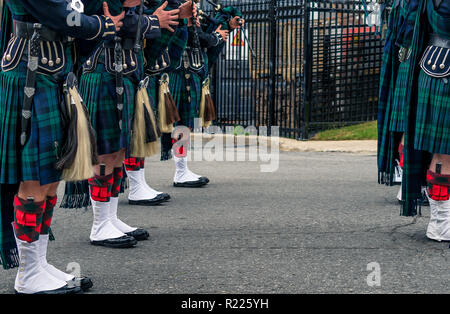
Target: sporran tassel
(144, 124)
(80, 149)
(168, 113)
(207, 109)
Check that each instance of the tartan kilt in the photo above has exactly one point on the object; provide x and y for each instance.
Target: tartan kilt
(397, 123)
(433, 115)
(98, 90)
(36, 162)
(188, 102)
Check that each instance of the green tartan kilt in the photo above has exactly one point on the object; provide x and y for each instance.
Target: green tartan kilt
(36, 162)
(98, 90)
(188, 102)
(397, 121)
(433, 115)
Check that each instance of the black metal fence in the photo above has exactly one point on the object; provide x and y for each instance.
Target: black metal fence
(315, 66)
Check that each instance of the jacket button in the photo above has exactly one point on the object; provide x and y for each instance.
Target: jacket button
(58, 60)
(44, 60)
(8, 57)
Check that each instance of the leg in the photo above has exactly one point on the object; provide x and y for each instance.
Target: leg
(140, 192)
(29, 209)
(399, 168)
(51, 199)
(137, 233)
(103, 232)
(438, 178)
(183, 176)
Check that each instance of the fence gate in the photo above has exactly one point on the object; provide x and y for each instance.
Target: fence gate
(307, 66)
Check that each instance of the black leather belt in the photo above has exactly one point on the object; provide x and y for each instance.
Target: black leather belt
(437, 41)
(26, 30)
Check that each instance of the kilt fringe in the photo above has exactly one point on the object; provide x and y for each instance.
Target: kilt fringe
(76, 195)
(9, 256)
(51, 235)
(166, 146)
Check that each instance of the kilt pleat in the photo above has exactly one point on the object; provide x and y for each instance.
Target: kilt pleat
(36, 161)
(188, 102)
(433, 115)
(98, 90)
(397, 123)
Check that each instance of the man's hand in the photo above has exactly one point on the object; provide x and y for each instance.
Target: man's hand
(224, 34)
(117, 20)
(237, 22)
(187, 10)
(167, 19)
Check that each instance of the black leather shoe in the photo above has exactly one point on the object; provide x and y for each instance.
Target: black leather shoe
(118, 243)
(204, 179)
(160, 198)
(165, 196)
(63, 290)
(190, 184)
(139, 234)
(84, 283)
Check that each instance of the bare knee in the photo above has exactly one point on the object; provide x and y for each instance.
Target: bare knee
(108, 161)
(34, 190)
(52, 189)
(444, 160)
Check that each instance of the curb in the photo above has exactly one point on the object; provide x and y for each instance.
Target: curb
(366, 147)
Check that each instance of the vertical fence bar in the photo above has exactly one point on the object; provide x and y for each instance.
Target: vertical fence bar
(307, 70)
(272, 64)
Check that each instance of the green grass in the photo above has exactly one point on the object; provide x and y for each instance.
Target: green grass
(365, 131)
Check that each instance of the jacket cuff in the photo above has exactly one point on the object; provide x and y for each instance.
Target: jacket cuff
(105, 28)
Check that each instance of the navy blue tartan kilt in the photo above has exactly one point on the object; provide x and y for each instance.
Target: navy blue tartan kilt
(433, 115)
(98, 90)
(37, 160)
(188, 102)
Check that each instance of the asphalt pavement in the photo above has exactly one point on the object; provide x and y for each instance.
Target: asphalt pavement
(320, 224)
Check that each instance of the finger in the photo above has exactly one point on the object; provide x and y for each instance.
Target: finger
(173, 23)
(174, 12)
(106, 9)
(170, 29)
(121, 15)
(219, 28)
(120, 24)
(164, 5)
